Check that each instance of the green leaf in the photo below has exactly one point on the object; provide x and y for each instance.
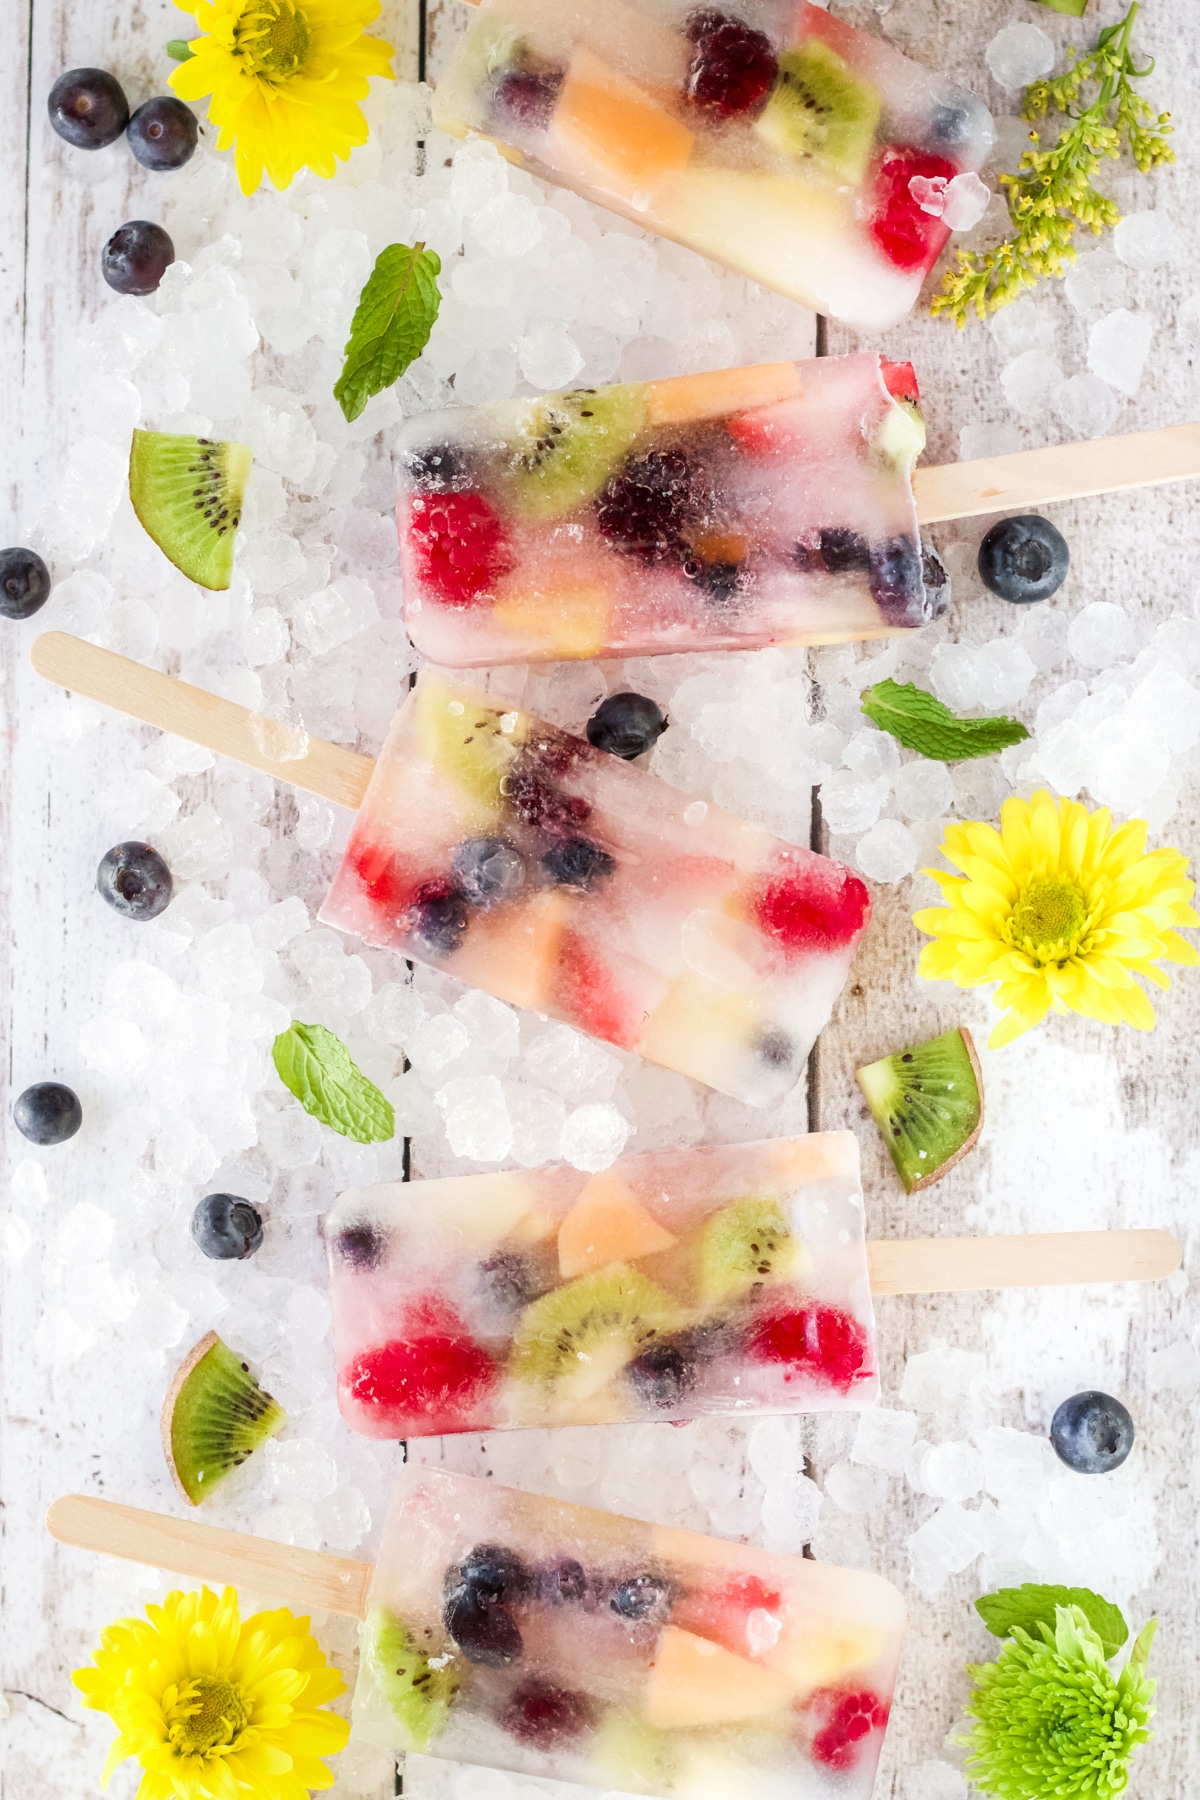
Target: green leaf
(920, 722)
(396, 312)
(1076, 8)
(180, 50)
(1033, 1605)
(316, 1066)
(1140, 1654)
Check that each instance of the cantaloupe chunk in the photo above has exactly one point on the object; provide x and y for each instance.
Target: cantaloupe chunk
(684, 398)
(821, 1655)
(693, 1682)
(567, 617)
(632, 140)
(515, 952)
(607, 1224)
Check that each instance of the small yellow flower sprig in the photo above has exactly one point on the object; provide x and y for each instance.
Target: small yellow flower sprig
(1051, 195)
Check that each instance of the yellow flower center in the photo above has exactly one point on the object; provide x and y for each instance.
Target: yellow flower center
(206, 1717)
(1049, 919)
(273, 38)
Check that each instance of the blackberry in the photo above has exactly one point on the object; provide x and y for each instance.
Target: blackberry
(643, 510)
(529, 94)
(536, 801)
(733, 67)
(844, 551)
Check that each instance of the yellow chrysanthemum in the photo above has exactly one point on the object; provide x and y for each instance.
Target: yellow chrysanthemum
(215, 1709)
(284, 80)
(1061, 910)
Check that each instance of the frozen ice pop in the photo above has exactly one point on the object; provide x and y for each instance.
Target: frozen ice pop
(717, 1280)
(763, 505)
(529, 864)
(793, 148)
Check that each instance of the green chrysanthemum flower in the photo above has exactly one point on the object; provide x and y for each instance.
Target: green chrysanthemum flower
(1052, 1720)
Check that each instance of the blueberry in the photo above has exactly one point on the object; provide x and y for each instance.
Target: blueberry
(361, 1246)
(88, 107)
(563, 1583)
(936, 577)
(47, 1113)
(436, 466)
(488, 870)
(626, 725)
(577, 863)
(1024, 559)
(437, 919)
(135, 881)
(493, 1574)
(24, 583)
(485, 1634)
(662, 1374)
(776, 1048)
(718, 582)
(949, 123)
(642, 1597)
(897, 581)
(1092, 1433)
(509, 1279)
(163, 133)
(227, 1228)
(136, 257)
(844, 551)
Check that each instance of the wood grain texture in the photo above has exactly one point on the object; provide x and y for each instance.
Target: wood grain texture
(296, 1577)
(1037, 1259)
(1043, 477)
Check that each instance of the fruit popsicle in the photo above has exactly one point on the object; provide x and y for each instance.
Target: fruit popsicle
(559, 1641)
(793, 148)
(725, 511)
(517, 857)
(728, 1279)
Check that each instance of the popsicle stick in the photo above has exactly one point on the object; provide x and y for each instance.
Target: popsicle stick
(1059, 472)
(303, 1578)
(1044, 1259)
(192, 713)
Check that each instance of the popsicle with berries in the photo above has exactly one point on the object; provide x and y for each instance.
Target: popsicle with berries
(727, 1279)
(770, 136)
(764, 505)
(556, 877)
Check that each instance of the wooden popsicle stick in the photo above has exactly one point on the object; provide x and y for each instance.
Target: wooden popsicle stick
(1043, 1259)
(1060, 472)
(304, 1578)
(193, 713)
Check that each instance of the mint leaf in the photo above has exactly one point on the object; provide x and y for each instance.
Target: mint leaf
(1033, 1605)
(1076, 8)
(316, 1066)
(395, 314)
(920, 722)
(180, 50)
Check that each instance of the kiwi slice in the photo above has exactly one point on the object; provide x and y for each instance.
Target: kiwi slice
(418, 1686)
(464, 741)
(820, 110)
(188, 493)
(578, 1337)
(928, 1105)
(565, 446)
(747, 1243)
(901, 435)
(215, 1414)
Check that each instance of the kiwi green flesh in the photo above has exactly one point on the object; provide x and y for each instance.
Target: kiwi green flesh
(215, 1416)
(617, 1308)
(745, 1243)
(418, 1696)
(567, 445)
(819, 110)
(928, 1105)
(188, 493)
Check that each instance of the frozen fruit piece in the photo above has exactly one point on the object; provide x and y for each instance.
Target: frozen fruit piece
(928, 1104)
(468, 744)
(577, 863)
(215, 1415)
(843, 1723)
(538, 1712)
(826, 1652)
(458, 545)
(813, 910)
(437, 919)
(494, 1575)
(563, 614)
(188, 493)
(418, 1686)
(665, 1372)
(622, 132)
(907, 235)
(487, 1634)
(821, 111)
(488, 870)
(561, 448)
(577, 1338)
(900, 379)
(645, 1598)
(435, 1375)
(744, 1614)
(733, 67)
(607, 1224)
(529, 95)
(646, 507)
(694, 1682)
(745, 1246)
(716, 393)
(589, 995)
(821, 1342)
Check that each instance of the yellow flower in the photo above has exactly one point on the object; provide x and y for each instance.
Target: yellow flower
(1061, 910)
(215, 1709)
(285, 80)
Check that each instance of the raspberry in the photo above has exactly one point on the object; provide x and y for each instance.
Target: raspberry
(540, 1713)
(906, 234)
(817, 1340)
(733, 68)
(821, 911)
(384, 877)
(458, 544)
(642, 511)
(848, 1720)
(436, 1373)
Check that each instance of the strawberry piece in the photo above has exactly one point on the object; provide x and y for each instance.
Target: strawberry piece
(847, 1720)
(383, 876)
(822, 907)
(822, 1342)
(900, 380)
(723, 1613)
(436, 1372)
(458, 545)
(758, 433)
(585, 989)
(906, 234)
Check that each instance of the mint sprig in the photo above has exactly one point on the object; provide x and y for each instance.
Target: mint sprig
(1033, 1604)
(396, 312)
(316, 1066)
(920, 722)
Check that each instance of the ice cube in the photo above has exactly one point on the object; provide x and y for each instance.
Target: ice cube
(1015, 1464)
(850, 802)
(112, 1045)
(1004, 671)
(436, 1043)
(1175, 1368)
(1097, 279)
(1146, 240)
(965, 201)
(1100, 635)
(1118, 346)
(953, 1471)
(1026, 324)
(883, 1438)
(1087, 406)
(394, 1013)
(855, 1487)
(924, 789)
(593, 1137)
(952, 673)
(790, 1512)
(1033, 383)
(1020, 54)
(987, 440)
(940, 1377)
(888, 852)
(477, 1122)
(934, 1781)
(549, 357)
(775, 1451)
(508, 225)
(945, 1545)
